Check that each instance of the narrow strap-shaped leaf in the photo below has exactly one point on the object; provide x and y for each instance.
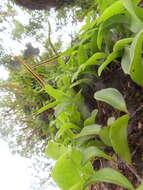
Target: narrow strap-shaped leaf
(118, 136)
(126, 60)
(114, 9)
(57, 94)
(91, 61)
(109, 59)
(136, 65)
(92, 152)
(91, 119)
(120, 44)
(112, 97)
(50, 105)
(110, 175)
(90, 130)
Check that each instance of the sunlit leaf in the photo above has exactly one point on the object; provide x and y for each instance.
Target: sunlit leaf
(55, 150)
(66, 171)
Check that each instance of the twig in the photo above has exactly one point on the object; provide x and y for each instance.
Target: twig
(46, 61)
(132, 169)
(49, 38)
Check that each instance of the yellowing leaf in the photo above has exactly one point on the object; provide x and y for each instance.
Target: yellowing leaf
(113, 97)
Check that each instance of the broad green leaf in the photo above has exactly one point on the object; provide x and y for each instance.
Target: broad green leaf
(140, 187)
(78, 186)
(125, 62)
(104, 135)
(112, 97)
(55, 150)
(110, 175)
(66, 172)
(44, 108)
(120, 44)
(114, 9)
(91, 152)
(109, 59)
(91, 119)
(118, 137)
(136, 65)
(90, 130)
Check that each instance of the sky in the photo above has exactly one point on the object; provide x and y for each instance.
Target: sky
(13, 170)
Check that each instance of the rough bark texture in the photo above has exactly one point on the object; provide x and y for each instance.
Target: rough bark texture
(43, 4)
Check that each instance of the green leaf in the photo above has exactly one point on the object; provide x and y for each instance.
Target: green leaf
(57, 94)
(90, 130)
(109, 59)
(110, 175)
(84, 81)
(55, 150)
(136, 65)
(125, 63)
(114, 9)
(91, 119)
(66, 171)
(131, 8)
(78, 186)
(91, 61)
(104, 135)
(44, 108)
(120, 44)
(82, 55)
(91, 152)
(112, 97)
(118, 136)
